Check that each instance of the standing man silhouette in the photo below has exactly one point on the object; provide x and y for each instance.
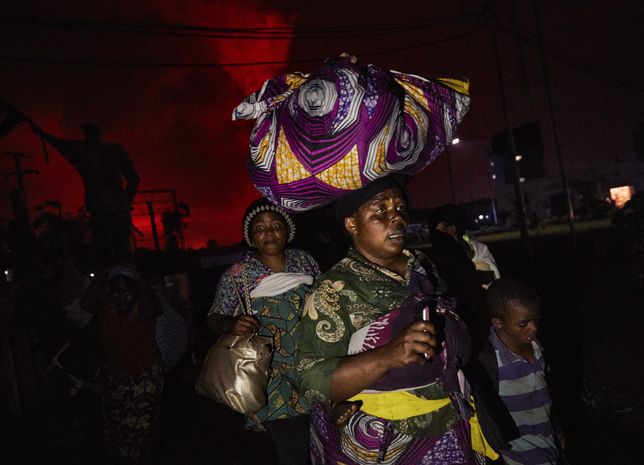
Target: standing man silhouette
(102, 166)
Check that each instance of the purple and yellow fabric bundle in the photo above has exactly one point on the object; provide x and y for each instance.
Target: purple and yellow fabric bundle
(322, 135)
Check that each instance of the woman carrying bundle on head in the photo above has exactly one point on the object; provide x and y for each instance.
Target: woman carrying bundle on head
(376, 333)
(339, 133)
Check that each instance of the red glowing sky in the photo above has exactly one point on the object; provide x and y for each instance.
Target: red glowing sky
(175, 121)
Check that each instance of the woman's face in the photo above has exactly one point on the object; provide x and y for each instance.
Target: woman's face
(378, 227)
(123, 293)
(268, 233)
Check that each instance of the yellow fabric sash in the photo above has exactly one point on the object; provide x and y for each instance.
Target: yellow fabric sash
(479, 443)
(398, 405)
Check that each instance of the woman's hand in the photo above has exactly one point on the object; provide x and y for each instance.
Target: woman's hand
(243, 325)
(239, 325)
(413, 345)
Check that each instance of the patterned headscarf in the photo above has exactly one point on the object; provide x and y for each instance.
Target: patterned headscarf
(260, 206)
(322, 135)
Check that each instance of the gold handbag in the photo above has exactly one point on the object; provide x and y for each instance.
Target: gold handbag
(235, 372)
(236, 368)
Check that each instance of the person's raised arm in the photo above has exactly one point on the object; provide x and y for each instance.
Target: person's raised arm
(66, 148)
(91, 296)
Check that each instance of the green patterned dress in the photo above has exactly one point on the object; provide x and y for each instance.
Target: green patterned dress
(280, 316)
(350, 296)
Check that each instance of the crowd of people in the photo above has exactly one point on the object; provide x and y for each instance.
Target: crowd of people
(103, 326)
(384, 358)
(391, 355)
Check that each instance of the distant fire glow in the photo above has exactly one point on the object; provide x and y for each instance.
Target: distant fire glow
(174, 121)
(622, 194)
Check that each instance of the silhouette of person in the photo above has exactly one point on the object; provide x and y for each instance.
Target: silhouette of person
(102, 166)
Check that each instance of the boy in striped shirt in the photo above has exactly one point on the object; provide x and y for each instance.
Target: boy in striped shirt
(513, 358)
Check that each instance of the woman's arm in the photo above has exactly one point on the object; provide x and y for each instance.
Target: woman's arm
(354, 373)
(238, 325)
(218, 323)
(221, 318)
(91, 296)
(325, 371)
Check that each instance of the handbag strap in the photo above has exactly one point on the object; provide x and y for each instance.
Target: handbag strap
(245, 302)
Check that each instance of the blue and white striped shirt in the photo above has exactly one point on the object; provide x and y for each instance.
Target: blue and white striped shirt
(523, 389)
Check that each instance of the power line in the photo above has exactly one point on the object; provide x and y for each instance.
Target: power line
(491, 22)
(466, 47)
(287, 33)
(254, 33)
(53, 61)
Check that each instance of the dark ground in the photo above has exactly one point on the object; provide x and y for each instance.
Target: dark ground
(592, 326)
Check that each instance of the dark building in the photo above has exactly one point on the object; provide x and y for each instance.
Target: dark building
(529, 146)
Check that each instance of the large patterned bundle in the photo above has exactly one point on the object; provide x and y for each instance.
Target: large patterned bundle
(321, 135)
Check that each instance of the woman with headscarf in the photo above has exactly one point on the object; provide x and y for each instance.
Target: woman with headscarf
(125, 312)
(365, 338)
(264, 293)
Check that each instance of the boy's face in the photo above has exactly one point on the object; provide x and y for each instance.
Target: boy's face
(519, 328)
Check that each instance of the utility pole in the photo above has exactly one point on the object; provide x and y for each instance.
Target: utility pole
(22, 245)
(155, 234)
(555, 134)
(19, 173)
(491, 177)
(150, 199)
(518, 192)
(449, 173)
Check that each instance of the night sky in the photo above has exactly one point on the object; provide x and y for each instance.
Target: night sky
(159, 91)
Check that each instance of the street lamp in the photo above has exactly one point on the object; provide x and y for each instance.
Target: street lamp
(455, 141)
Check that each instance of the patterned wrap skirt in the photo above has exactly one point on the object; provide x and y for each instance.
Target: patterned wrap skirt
(130, 414)
(369, 439)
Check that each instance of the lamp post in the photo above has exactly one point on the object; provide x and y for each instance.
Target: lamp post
(492, 183)
(518, 192)
(455, 141)
(555, 133)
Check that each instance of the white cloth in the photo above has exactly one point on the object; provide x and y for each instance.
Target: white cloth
(278, 283)
(482, 255)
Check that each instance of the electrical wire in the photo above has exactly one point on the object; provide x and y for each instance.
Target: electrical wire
(489, 20)
(480, 17)
(53, 61)
(254, 33)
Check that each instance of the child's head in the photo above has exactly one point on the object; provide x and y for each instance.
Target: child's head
(514, 308)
